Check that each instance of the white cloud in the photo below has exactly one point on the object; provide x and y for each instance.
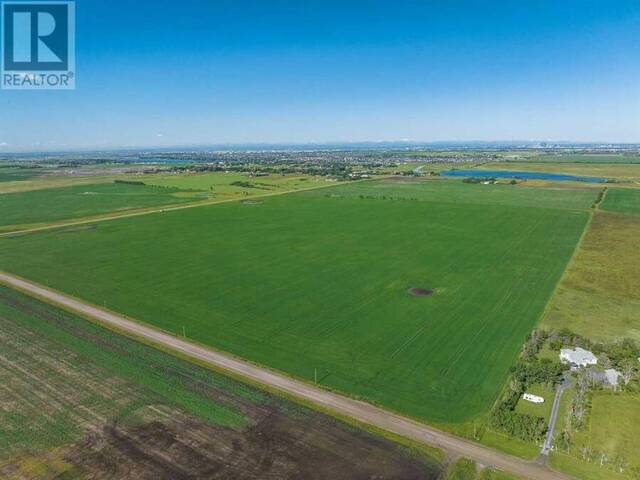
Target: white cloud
(3, 144)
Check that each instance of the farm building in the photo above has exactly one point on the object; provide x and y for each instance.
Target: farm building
(578, 357)
(612, 376)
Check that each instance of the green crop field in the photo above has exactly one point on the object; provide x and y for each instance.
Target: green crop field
(80, 201)
(73, 357)
(318, 280)
(624, 200)
(43, 182)
(78, 400)
(584, 158)
(228, 185)
(599, 297)
(439, 190)
(63, 373)
(15, 174)
(61, 202)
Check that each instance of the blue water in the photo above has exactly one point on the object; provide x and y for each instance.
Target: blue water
(520, 175)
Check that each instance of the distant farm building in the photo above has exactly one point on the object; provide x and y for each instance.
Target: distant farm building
(530, 397)
(578, 357)
(612, 376)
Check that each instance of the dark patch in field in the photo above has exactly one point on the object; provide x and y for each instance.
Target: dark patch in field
(278, 446)
(420, 292)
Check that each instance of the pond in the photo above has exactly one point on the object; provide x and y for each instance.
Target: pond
(520, 175)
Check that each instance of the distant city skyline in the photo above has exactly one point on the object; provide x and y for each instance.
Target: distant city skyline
(195, 72)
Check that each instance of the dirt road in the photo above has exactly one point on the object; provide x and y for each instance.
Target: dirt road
(357, 410)
(548, 440)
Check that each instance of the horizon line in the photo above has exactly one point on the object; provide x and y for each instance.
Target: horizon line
(239, 146)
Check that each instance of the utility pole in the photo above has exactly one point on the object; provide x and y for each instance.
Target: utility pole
(315, 375)
(184, 332)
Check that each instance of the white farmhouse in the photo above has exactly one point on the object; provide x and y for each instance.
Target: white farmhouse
(530, 397)
(578, 357)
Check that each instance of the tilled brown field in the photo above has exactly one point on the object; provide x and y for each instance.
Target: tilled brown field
(77, 401)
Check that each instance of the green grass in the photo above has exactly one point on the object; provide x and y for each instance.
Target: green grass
(491, 474)
(220, 185)
(537, 409)
(623, 200)
(599, 296)
(583, 470)
(548, 353)
(562, 423)
(463, 469)
(612, 429)
(614, 423)
(49, 205)
(305, 281)
(512, 446)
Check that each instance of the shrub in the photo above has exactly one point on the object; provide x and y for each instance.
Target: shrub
(129, 182)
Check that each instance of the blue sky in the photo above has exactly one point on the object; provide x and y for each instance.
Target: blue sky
(188, 72)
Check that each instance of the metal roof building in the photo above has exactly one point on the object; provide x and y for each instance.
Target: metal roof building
(613, 376)
(578, 357)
